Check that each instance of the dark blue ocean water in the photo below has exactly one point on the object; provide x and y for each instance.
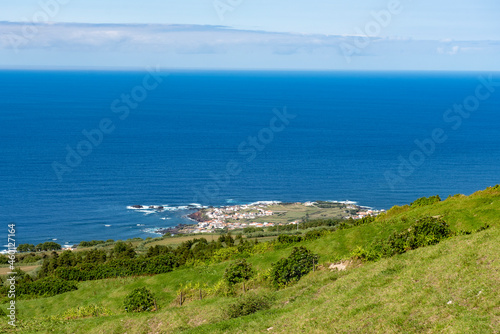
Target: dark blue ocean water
(190, 141)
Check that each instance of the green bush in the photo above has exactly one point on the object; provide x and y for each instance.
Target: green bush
(48, 246)
(426, 231)
(316, 234)
(91, 243)
(291, 269)
(425, 201)
(289, 239)
(238, 272)
(372, 254)
(248, 304)
(46, 287)
(26, 248)
(139, 300)
(92, 310)
(117, 268)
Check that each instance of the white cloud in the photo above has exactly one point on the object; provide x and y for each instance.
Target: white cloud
(198, 45)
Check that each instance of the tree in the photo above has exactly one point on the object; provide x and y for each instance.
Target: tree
(95, 256)
(123, 250)
(26, 248)
(67, 259)
(139, 300)
(291, 269)
(48, 246)
(239, 271)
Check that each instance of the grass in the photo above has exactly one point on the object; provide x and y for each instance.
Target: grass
(451, 287)
(409, 293)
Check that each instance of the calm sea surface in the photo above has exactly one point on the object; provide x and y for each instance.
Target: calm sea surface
(78, 147)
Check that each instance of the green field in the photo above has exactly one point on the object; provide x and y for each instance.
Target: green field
(451, 287)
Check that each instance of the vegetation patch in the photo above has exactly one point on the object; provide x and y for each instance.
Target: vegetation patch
(292, 268)
(248, 304)
(139, 300)
(425, 232)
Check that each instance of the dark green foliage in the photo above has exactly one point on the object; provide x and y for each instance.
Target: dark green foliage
(426, 231)
(122, 250)
(48, 246)
(425, 201)
(66, 259)
(92, 243)
(227, 239)
(117, 268)
(288, 239)
(28, 258)
(26, 248)
(316, 234)
(159, 250)
(238, 272)
(291, 269)
(45, 287)
(252, 229)
(95, 256)
(139, 300)
(248, 304)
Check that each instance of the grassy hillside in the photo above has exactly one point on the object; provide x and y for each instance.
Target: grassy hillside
(451, 287)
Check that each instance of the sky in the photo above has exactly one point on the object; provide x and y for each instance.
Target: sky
(252, 34)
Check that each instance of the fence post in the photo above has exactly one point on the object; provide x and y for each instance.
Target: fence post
(180, 301)
(314, 266)
(201, 297)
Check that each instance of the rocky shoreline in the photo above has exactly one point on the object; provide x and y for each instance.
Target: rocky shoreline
(196, 216)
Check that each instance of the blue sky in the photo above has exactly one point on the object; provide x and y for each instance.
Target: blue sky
(252, 34)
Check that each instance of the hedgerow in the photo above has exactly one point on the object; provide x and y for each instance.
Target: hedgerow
(117, 268)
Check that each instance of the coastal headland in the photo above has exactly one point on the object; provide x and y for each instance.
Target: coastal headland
(271, 213)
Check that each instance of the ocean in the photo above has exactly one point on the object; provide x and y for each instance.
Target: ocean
(79, 147)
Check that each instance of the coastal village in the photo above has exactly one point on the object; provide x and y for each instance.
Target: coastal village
(267, 214)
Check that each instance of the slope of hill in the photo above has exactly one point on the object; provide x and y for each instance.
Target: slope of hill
(451, 287)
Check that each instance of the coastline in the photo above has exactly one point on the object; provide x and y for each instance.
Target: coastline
(264, 214)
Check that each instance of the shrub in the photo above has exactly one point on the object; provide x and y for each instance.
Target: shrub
(117, 268)
(423, 201)
(221, 288)
(224, 254)
(289, 239)
(46, 287)
(123, 250)
(291, 269)
(238, 272)
(48, 246)
(91, 243)
(26, 248)
(248, 304)
(371, 254)
(425, 232)
(316, 234)
(262, 247)
(139, 300)
(92, 310)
